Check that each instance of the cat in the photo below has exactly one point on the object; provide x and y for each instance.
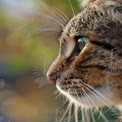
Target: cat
(88, 69)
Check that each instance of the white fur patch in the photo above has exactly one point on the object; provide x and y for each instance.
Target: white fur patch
(67, 95)
(83, 3)
(70, 46)
(90, 101)
(120, 107)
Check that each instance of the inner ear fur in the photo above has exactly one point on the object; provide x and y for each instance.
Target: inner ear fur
(84, 3)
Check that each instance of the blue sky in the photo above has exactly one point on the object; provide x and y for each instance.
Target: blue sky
(17, 7)
(14, 3)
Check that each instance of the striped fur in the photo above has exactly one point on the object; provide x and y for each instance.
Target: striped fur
(93, 74)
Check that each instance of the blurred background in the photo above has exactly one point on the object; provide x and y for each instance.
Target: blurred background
(26, 52)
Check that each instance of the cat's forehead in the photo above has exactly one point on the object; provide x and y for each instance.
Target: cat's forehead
(94, 19)
(73, 26)
(78, 25)
(90, 16)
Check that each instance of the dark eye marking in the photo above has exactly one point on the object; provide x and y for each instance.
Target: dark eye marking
(97, 66)
(104, 45)
(119, 9)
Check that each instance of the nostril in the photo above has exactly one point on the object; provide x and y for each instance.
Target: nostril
(51, 79)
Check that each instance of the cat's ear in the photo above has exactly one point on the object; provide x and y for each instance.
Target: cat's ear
(83, 3)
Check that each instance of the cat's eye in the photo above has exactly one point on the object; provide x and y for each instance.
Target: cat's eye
(82, 42)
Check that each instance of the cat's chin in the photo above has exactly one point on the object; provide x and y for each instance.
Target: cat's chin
(89, 100)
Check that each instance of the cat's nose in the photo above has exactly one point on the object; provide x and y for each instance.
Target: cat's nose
(51, 78)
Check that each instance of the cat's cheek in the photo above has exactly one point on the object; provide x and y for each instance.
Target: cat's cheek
(74, 100)
(67, 95)
(103, 96)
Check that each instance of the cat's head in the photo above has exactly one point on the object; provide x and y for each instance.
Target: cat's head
(88, 69)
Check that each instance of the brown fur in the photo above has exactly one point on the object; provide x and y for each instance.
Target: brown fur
(101, 23)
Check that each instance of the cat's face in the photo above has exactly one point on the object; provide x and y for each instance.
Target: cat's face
(88, 69)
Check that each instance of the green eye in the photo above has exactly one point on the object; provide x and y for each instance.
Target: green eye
(82, 42)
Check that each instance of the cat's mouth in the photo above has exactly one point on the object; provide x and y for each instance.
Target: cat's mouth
(85, 95)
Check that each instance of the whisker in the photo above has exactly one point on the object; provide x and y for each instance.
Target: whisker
(86, 96)
(92, 115)
(98, 93)
(69, 114)
(90, 109)
(59, 19)
(77, 95)
(66, 111)
(76, 113)
(61, 13)
(44, 15)
(96, 96)
(51, 18)
(76, 108)
(58, 96)
(87, 115)
(65, 100)
(72, 7)
(103, 116)
(109, 108)
(52, 33)
(55, 14)
(100, 114)
(51, 29)
(83, 115)
(97, 108)
(56, 10)
(56, 92)
(87, 99)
